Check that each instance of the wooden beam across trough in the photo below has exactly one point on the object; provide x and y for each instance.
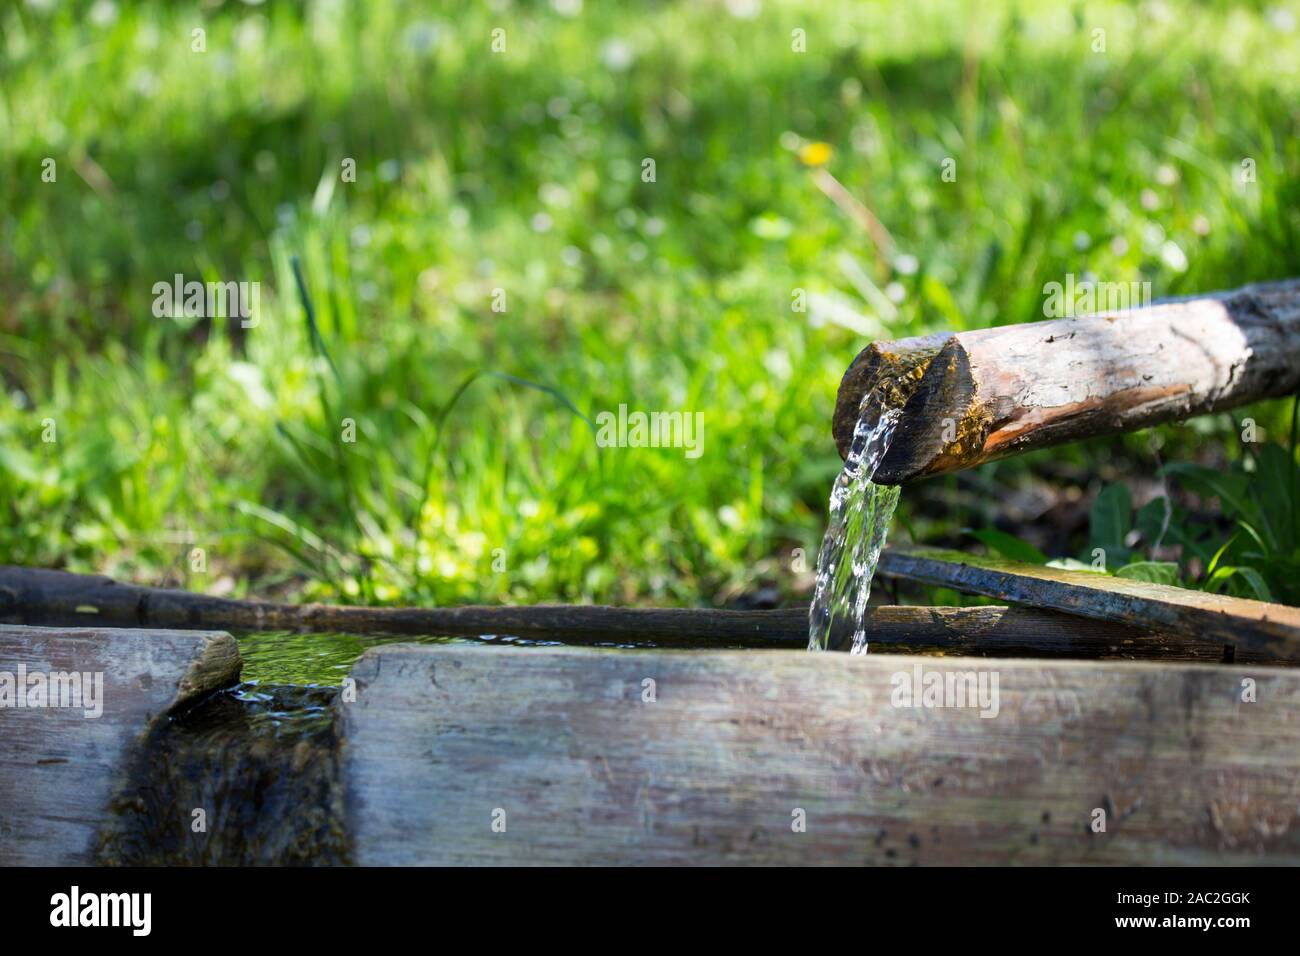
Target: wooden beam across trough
(971, 397)
(65, 756)
(1270, 630)
(41, 597)
(672, 758)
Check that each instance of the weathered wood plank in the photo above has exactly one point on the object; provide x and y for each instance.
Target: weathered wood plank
(991, 393)
(57, 598)
(1272, 630)
(997, 631)
(39, 596)
(715, 768)
(59, 768)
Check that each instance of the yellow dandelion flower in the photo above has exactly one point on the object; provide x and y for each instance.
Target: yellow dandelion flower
(815, 154)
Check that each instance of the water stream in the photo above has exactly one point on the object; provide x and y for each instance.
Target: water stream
(860, 513)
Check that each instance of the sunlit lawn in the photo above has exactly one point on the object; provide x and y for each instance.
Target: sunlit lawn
(517, 179)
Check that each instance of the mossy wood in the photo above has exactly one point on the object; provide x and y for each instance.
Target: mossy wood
(976, 396)
(676, 758)
(1269, 630)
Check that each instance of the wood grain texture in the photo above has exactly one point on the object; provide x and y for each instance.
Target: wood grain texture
(60, 770)
(35, 596)
(991, 393)
(1270, 630)
(713, 770)
(997, 631)
(39, 596)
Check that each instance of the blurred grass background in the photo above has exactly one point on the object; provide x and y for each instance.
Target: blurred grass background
(521, 171)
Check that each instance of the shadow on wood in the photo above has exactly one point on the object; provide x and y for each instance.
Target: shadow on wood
(61, 766)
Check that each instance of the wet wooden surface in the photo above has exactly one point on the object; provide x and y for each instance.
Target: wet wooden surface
(59, 769)
(568, 762)
(1271, 630)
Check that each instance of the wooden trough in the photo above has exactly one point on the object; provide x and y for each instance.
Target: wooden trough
(481, 755)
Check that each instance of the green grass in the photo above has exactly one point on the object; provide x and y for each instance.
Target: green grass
(522, 171)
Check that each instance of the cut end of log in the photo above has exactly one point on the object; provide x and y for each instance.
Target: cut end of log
(942, 426)
(904, 361)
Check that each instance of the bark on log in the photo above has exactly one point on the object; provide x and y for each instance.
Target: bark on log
(60, 769)
(36, 596)
(1270, 630)
(577, 766)
(997, 392)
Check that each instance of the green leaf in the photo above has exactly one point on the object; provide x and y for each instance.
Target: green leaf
(1009, 546)
(1157, 572)
(19, 463)
(1270, 488)
(1074, 564)
(938, 295)
(1249, 575)
(1218, 555)
(1151, 522)
(1111, 521)
(1229, 488)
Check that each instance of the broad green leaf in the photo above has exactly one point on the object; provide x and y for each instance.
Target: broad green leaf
(1112, 519)
(1073, 564)
(1009, 546)
(1150, 520)
(1157, 572)
(1229, 487)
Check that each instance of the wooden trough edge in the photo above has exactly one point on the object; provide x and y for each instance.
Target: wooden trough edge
(731, 757)
(63, 763)
(1271, 630)
(58, 598)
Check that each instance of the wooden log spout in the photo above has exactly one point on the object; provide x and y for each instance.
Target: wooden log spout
(997, 392)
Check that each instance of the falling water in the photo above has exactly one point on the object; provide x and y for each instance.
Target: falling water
(860, 512)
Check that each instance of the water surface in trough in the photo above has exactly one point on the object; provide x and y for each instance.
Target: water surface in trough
(860, 513)
(287, 657)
